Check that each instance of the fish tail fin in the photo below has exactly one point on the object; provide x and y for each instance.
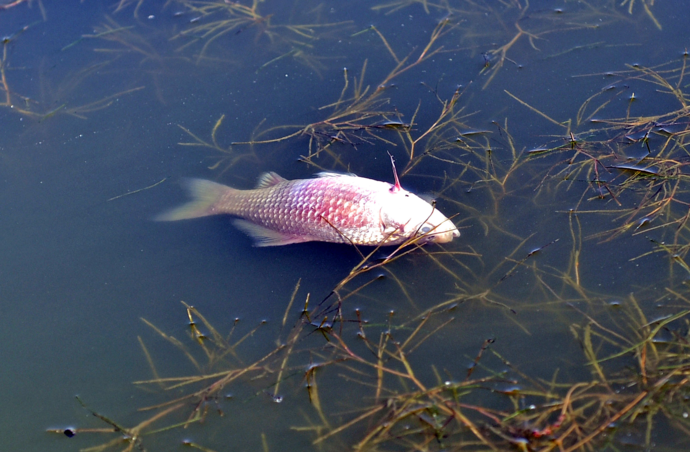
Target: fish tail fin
(205, 195)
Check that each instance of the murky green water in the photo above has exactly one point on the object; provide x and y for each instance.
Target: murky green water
(554, 132)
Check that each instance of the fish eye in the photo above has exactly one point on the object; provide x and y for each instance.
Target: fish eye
(425, 229)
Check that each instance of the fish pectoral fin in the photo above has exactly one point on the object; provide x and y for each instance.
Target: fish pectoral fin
(267, 237)
(389, 230)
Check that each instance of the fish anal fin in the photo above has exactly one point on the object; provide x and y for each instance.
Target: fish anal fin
(267, 237)
(269, 179)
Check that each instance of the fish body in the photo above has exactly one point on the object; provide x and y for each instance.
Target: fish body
(340, 208)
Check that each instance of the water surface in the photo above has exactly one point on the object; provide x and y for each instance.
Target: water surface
(554, 132)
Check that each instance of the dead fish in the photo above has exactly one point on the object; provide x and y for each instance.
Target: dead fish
(333, 207)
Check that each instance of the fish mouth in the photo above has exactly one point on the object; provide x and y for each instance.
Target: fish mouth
(444, 233)
(445, 237)
(440, 236)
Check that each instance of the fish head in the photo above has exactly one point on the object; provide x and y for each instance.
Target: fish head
(405, 215)
(437, 228)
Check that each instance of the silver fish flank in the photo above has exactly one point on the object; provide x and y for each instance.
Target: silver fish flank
(340, 208)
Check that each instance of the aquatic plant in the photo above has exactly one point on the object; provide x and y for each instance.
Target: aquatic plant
(29, 107)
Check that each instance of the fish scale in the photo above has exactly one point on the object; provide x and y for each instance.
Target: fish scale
(317, 208)
(333, 207)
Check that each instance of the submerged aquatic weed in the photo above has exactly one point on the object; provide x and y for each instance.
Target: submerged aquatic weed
(360, 114)
(212, 21)
(29, 107)
(229, 157)
(633, 168)
(404, 411)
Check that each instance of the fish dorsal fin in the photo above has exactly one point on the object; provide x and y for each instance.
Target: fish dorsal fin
(333, 174)
(269, 180)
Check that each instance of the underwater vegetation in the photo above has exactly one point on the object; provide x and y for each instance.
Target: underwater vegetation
(47, 92)
(519, 336)
(638, 371)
